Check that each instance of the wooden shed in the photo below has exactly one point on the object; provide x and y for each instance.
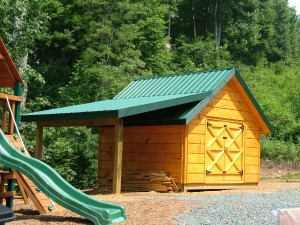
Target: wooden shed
(202, 128)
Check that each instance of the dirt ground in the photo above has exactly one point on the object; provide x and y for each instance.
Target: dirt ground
(147, 207)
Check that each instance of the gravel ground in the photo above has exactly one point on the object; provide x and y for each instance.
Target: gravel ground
(238, 206)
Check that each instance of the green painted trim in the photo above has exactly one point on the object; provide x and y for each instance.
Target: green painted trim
(70, 116)
(160, 105)
(18, 92)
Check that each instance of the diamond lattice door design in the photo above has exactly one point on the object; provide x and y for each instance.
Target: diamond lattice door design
(224, 152)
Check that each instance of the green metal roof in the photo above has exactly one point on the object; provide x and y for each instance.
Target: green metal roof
(196, 82)
(174, 99)
(116, 108)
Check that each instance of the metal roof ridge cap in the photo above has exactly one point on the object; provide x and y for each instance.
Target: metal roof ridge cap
(183, 74)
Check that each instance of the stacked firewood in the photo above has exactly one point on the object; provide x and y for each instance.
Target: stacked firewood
(138, 181)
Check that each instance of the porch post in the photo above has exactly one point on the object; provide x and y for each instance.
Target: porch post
(118, 157)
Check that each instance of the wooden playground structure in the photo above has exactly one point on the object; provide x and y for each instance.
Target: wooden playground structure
(11, 82)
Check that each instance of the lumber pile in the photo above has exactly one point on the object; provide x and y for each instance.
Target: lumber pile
(140, 181)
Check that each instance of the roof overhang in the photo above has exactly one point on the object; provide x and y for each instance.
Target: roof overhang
(112, 109)
(9, 74)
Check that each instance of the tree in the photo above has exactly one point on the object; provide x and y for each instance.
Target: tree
(21, 22)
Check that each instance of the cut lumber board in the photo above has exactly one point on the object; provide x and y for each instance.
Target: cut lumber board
(140, 181)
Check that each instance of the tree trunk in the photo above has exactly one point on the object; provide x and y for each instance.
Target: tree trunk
(193, 18)
(217, 23)
(21, 57)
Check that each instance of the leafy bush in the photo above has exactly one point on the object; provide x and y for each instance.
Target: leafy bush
(72, 152)
(279, 151)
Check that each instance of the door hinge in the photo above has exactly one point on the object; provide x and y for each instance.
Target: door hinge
(209, 124)
(207, 172)
(241, 172)
(242, 127)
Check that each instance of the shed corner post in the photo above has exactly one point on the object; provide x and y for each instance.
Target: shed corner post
(118, 157)
(39, 141)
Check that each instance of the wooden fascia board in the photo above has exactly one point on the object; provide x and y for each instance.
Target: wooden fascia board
(74, 123)
(253, 105)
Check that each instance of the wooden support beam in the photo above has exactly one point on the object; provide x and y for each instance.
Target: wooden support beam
(3, 126)
(39, 141)
(11, 97)
(118, 157)
(74, 123)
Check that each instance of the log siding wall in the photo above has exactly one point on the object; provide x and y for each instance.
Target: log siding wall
(145, 148)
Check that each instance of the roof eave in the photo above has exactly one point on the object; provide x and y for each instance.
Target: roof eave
(161, 104)
(112, 114)
(10, 63)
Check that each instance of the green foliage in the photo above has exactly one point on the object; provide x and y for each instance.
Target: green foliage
(275, 87)
(279, 151)
(72, 152)
(71, 52)
(199, 54)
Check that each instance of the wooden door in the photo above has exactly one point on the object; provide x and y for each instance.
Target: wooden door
(224, 157)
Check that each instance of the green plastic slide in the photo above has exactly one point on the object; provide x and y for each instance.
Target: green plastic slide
(57, 189)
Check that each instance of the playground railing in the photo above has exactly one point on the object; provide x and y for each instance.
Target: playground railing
(6, 122)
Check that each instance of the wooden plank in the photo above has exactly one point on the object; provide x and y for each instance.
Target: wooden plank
(153, 138)
(144, 157)
(199, 120)
(118, 157)
(251, 178)
(170, 168)
(107, 138)
(251, 152)
(252, 161)
(170, 129)
(3, 125)
(196, 128)
(251, 169)
(252, 143)
(196, 148)
(11, 121)
(227, 95)
(252, 134)
(11, 97)
(228, 104)
(195, 178)
(196, 168)
(227, 114)
(196, 138)
(89, 123)
(196, 158)
(252, 125)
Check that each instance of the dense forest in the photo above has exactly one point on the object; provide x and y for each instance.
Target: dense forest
(72, 52)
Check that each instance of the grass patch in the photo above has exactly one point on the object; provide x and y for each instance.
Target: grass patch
(291, 176)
